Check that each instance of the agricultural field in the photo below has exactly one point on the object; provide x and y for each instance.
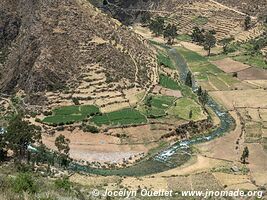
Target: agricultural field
(126, 116)
(168, 82)
(184, 106)
(70, 114)
(165, 61)
(156, 105)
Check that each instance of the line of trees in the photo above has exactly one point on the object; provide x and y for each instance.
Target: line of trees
(169, 32)
(205, 38)
(24, 140)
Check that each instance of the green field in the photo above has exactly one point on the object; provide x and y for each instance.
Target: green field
(200, 20)
(182, 109)
(184, 37)
(168, 82)
(158, 106)
(71, 114)
(125, 116)
(165, 61)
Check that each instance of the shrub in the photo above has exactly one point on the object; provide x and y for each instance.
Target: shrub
(63, 183)
(75, 101)
(91, 129)
(24, 183)
(38, 120)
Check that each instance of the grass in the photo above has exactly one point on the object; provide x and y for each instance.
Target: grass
(183, 107)
(256, 60)
(184, 37)
(200, 20)
(165, 61)
(168, 82)
(127, 116)
(71, 114)
(159, 105)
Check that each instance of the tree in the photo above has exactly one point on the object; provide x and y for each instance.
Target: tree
(157, 26)
(210, 42)
(247, 22)
(146, 17)
(198, 35)
(188, 80)
(3, 151)
(105, 2)
(190, 114)
(20, 134)
(62, 144)
(170, 33)
(204, 98)
(245, 155)
(199, 91)
(225, 42)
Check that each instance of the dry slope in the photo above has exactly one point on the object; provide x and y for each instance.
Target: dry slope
(52, 44)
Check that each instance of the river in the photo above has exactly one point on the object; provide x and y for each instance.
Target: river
(178, 153)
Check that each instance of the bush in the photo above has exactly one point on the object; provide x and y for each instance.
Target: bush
(91, 129)
(24, 183)
(75, 101)
(38, 120)
(63, 183)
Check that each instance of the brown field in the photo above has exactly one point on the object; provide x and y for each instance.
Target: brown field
(228, 65)
(241, 98)
(233, 182)
(252, 73)
(258, 163)
(259, 83)
(99, 147)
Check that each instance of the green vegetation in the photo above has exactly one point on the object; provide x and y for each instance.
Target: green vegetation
(168, 82)
(186, 108)
(248, 52)
(165, 61)
(63, 184)
(184, 37)
(71, 114)
(24, 182)
(200, 20)
(127, 116)
(156, 106)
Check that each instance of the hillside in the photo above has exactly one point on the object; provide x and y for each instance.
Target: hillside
(69, 45)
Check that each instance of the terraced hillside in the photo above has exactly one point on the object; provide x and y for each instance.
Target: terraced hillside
(225, 17)
(251, 7)
(72, 47)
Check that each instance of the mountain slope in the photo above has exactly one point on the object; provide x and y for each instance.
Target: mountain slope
(59, 42)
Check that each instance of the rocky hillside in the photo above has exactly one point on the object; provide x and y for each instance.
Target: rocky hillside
(52, 45)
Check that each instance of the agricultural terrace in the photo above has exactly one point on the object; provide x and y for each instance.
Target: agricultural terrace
(184, 106)
(156, 105)
(168, 82)
(207, 74)
(127, 116)
(70, 114)
(165, 61)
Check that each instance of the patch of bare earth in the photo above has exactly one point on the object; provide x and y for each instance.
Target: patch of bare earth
(228, 65)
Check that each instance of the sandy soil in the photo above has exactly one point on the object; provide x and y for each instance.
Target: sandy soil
(228, 65)
(96, 147)
(200, 164)
(217, 147)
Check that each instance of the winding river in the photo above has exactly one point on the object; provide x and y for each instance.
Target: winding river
(178, 153)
